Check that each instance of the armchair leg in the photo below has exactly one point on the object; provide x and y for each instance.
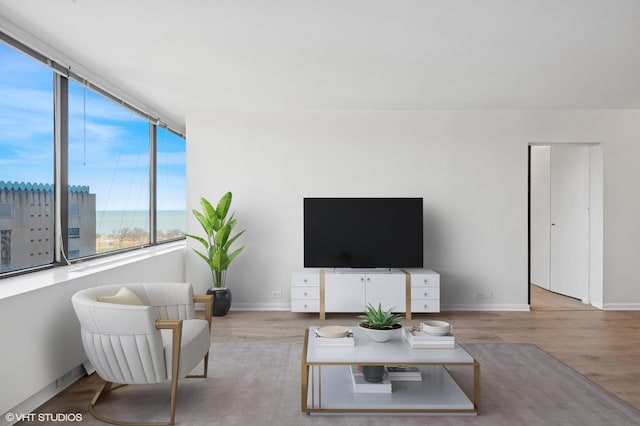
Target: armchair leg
(206, 369)
(107, 387)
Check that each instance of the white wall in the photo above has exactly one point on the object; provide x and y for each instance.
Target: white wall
(470, 167)
(271, 161)
(39, 331)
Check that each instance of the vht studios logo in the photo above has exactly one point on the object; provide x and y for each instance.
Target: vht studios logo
(43, 417)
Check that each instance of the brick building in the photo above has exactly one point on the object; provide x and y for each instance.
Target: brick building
(27, 224)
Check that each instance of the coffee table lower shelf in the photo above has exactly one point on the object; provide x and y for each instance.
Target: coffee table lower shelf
(330, 390)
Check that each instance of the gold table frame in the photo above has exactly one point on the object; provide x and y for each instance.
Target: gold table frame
(308, 376)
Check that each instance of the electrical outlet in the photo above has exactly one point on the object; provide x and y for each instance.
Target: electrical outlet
(484, 295)
(276, 294)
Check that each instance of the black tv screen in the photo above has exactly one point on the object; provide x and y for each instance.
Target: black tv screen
(363, 232)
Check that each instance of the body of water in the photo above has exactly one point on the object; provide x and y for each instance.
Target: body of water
(110, 221)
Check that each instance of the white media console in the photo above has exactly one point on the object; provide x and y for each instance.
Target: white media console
(350, 290)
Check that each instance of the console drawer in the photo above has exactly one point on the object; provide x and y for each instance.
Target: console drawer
(305, 279)
(426, 305)
(307, 293)
(305, 305)
(425, 280)
(425, 292)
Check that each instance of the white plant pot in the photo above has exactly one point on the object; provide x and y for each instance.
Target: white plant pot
(380, 335)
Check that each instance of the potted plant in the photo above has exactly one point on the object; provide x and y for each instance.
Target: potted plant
(378, 324)
(217, 243)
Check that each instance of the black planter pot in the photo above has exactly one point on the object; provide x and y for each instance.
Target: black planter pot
(221, 301)
(373, 373)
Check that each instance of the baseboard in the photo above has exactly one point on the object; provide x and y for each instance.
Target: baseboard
(44, 395)
(453, 307)
(281, 306)
(485, 307)
(621, 306)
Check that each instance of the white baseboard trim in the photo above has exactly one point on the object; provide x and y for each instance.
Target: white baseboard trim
(453, 307)
(597, 304)
(282, 306)
(621, 306)
(44, 395)
(486, 307)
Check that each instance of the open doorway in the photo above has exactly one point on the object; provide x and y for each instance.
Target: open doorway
(546, 300)
(565, 226)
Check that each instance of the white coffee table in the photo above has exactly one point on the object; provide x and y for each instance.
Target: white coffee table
(327, 387)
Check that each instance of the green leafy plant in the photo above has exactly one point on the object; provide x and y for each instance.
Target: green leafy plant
(378, 319)
(218, 239)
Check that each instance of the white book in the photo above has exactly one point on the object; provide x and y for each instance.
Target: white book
(420, 335)
(421, 340)
(360, 385)
(400, 373)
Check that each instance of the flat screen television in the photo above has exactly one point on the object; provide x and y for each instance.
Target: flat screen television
(363, 232)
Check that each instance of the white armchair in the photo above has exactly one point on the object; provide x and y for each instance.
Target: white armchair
(149, 335)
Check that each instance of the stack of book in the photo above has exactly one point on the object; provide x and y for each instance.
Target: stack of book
(418, 339)
(347, 340)
(360, 385)
(403, 373)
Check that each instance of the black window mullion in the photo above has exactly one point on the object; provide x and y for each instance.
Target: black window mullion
(61, 163)
(153, 161)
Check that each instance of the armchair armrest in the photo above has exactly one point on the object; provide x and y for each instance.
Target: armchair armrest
(207, 299)
(176, 327)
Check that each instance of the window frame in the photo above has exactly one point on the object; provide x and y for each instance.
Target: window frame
(62, 75)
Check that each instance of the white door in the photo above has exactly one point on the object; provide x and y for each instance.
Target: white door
(569, 221)
(540, 211)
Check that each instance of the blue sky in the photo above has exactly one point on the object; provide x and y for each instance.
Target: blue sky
(108, 145)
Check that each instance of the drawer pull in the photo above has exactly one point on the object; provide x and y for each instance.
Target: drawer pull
(305, 306)
(425, 280)
(426, 306)
(426, 294)
(305, 293)
(305, 280)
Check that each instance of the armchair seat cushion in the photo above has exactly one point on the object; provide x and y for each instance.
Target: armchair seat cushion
(195, 343)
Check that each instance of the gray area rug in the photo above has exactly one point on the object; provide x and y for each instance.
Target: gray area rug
(259, 384)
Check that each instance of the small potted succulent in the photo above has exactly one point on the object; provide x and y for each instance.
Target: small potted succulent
(380, 325)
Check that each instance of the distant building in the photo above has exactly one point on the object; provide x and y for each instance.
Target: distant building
(27, 228)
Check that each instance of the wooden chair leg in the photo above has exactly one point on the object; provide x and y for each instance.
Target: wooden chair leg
(107, 387)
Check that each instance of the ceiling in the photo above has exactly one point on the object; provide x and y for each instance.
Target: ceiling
(176, 56)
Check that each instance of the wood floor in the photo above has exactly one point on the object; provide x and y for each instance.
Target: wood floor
(602, 345)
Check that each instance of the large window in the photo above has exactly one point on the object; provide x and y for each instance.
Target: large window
(170, 185)
(109, 153)
(106, 148)
(26, 161)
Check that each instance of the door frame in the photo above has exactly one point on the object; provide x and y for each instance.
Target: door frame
(595, 287)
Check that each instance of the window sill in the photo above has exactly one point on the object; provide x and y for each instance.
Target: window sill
(20, 284)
